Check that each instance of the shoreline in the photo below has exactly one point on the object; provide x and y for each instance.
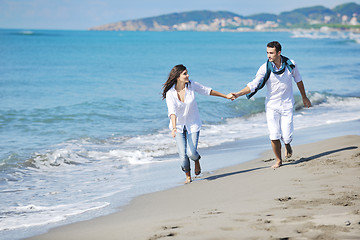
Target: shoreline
(317, 191)
(323, 29)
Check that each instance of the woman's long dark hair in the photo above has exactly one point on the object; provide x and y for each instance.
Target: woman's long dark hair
(172, 79)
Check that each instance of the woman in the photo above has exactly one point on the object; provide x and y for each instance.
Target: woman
(183, 112)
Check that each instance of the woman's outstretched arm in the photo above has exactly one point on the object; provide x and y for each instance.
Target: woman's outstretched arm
(219, 94)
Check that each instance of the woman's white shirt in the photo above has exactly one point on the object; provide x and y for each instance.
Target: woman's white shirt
(187, 112)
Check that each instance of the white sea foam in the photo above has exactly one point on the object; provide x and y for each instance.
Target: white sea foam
(355, 37)
(33, 215)
(326, 33)
(331, 110)
(146, 149)
(326, 109)
(26, 32)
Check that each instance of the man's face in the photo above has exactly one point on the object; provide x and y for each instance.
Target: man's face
(272, 54)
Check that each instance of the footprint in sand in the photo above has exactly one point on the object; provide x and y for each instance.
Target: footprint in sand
(165, 235)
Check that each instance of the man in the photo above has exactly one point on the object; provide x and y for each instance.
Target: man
(277, 74)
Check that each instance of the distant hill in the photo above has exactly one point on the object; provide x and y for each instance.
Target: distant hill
(263, 17)
(347, 9)
(204, 17)
(344, 15)
(320, 14)
(171, 21)
(305, 15)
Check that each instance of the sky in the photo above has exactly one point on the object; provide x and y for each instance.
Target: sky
(83, 14)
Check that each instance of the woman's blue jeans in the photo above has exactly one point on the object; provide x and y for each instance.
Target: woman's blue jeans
(187, 148)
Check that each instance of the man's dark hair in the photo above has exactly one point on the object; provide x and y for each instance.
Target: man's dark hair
(274, 44)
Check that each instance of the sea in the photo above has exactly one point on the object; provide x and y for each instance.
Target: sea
(84, 129)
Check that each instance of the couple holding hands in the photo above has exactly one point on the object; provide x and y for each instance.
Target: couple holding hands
(276, 74)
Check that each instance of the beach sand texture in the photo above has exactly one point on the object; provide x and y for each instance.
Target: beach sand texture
(315, 195)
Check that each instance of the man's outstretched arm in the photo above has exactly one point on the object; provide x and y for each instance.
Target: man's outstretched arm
(242, 92)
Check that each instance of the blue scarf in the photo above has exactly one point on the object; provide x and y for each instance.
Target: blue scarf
(286, 63)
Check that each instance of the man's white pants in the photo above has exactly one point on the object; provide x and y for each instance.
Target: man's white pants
(280, 124)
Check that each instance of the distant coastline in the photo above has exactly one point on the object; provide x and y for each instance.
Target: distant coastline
(344, 17)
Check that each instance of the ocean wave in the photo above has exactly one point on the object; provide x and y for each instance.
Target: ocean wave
(32, 33)
(34, 215)
(241, 119)
(326, 33)
(149, 148)
(123, 151)
(26, 32)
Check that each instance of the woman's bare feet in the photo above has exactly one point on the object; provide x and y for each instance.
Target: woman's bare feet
(288, 151)
(188, 178)
(197, 167)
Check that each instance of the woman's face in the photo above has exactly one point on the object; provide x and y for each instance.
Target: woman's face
(184, 77)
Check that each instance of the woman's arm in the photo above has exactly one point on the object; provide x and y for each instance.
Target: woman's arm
(219, 94)
(173, 123)
(201, 89)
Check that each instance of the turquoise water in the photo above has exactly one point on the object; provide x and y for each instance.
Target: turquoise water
(81, 114)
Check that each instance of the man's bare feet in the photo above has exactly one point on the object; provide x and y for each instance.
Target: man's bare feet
(277, 164)
(288, 151)
(197, 167)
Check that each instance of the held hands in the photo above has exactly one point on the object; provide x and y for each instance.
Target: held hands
(236, 95)
(240, 93)
(231, 96)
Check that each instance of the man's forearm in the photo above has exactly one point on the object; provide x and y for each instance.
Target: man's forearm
(243, 91)
(306, 101)
(301, 88)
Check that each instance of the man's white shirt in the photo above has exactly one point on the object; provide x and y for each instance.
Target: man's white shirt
(279, 87)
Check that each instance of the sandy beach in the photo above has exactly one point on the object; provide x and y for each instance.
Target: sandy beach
(314, 195)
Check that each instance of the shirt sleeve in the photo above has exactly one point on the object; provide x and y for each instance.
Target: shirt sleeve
(295, 73)
(170, 104)
(201, 89)
(259, 76)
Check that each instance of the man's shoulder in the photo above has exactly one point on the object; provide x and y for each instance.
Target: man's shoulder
(263, 67)
(293, 61)
(264, 64)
